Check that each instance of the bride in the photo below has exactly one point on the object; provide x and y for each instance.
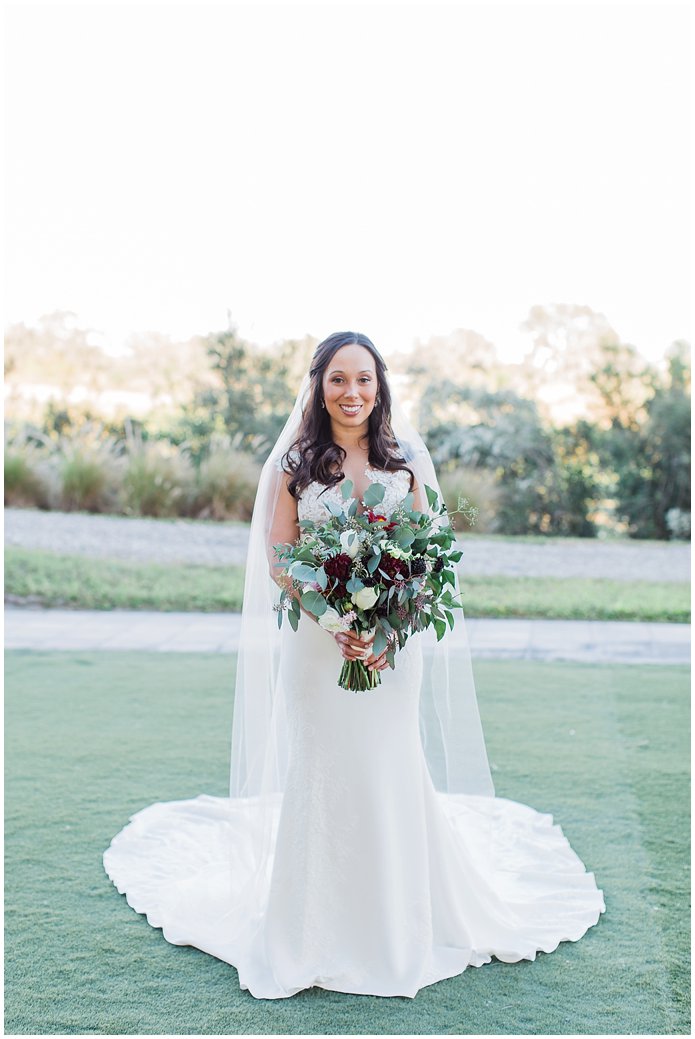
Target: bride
(362, 848)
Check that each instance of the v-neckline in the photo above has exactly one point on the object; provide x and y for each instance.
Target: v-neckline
(367, 469)
(337, 487)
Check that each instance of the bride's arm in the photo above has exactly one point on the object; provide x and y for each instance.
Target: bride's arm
(420, 500)
(284, 529)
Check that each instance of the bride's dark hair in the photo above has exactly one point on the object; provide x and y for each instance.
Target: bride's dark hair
(314, 455)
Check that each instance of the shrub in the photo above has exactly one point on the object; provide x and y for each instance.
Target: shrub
(88, 468)
(227, 481)
(26, 476)
(480, 488)
(159, 479)
(76, 472)
(678, 523)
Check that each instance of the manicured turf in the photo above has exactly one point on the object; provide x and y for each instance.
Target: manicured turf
(45, 579)
(79, 582)
(93, 737)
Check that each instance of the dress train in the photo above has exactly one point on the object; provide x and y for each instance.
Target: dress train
(375, 882)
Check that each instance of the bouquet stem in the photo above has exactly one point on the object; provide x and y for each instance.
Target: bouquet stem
(356, 676)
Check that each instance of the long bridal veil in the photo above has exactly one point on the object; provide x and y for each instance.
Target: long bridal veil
(450, 727)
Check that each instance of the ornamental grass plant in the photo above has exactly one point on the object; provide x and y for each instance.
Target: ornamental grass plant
(26, 480)
(89, 471)
(159, 479)
(226, 482)
(88, 468)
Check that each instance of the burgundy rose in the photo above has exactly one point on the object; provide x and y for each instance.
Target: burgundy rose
(393, 567)
(338, 566)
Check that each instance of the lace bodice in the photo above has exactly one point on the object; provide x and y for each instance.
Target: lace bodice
(311, 503)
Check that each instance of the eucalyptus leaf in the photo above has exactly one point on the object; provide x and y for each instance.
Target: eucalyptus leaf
(314, 602)
(293, 619)
(302, 572)
(404, 537)
(380, 643)
(374, 494)
(321, 578)
(354, 585)
(373, 562)
(346, 489)
(432, 496)
(334, 508)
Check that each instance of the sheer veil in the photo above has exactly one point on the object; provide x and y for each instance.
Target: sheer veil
(450, 727)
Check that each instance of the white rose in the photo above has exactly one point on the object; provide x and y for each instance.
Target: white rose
(331, 620)
(365, 598)
(350, 543)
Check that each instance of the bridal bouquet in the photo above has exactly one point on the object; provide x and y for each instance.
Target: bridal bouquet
(388, 576)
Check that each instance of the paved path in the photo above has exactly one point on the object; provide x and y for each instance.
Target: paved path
(585, 641)
(224, 544)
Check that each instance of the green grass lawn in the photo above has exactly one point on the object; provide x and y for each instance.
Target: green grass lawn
(42, 578)
(93, 737)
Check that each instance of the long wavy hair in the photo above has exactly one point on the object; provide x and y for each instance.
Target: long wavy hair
(314, 455)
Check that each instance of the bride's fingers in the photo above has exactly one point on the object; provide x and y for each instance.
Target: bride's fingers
(377, 663)
(351, 647)
(358, 641)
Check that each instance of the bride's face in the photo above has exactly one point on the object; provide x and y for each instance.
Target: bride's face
(350, 387)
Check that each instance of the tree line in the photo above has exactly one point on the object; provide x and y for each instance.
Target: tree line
(582, 436)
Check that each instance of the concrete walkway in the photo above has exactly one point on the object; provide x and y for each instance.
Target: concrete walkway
(583, 641)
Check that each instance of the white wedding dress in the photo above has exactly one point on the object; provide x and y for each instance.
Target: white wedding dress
(375, 882)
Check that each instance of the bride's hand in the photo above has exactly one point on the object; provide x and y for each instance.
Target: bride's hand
(354, 647)
(377, 663)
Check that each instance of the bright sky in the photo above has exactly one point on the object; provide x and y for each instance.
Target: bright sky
(401, 170)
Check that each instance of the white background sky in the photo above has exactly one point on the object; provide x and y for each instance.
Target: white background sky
(399, 169)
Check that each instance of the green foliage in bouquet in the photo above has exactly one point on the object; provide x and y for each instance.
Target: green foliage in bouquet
(370, 573)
